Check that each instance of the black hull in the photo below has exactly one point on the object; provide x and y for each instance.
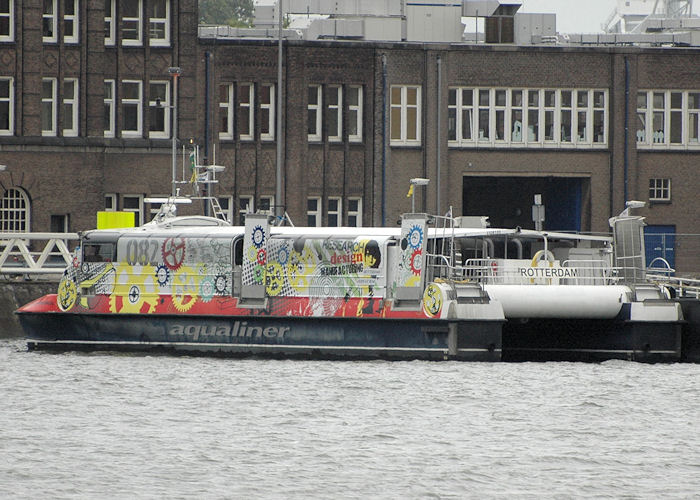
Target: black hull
(592, 340)
(268, 337)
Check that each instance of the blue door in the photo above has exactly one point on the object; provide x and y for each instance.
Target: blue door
(660, 241)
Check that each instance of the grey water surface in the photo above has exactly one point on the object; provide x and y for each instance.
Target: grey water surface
(132, 426)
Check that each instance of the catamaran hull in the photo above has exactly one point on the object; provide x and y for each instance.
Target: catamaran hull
(274, 337)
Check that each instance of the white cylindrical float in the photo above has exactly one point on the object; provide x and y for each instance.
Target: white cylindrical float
(560, 301)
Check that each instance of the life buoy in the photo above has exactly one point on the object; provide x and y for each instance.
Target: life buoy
(537, 258)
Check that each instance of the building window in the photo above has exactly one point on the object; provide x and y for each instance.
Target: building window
(245, 111)
(267, 112)
(313, 212)
(159, 23)
(132, 111)
(109, 108)
(335, 211)
(226, 204)
(266, 205)
(49, 21)
(668, 119)
(70, 107)
(526, 117)
(313, 114)
(246, 205)
(7, 106)
(131, 22)
(659, 189)
(7, 21)
(70, 21)
(110, 24)
(405, 115)
(134, 203)
(355, 212)
(59, 223)
(355, 113)
(48, 106)
(14, 211)
(226, 111)
(334, 96)
(110, 202)
(159, 105)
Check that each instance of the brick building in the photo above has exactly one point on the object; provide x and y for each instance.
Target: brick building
(489, 125)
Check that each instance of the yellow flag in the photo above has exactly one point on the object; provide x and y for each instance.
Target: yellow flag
(410, 191)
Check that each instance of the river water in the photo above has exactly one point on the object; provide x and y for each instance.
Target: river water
(132, 426)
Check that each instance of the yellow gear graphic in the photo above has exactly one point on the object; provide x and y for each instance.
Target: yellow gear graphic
(67, 294)
(274, 278)
(136, 286)
(299, 267)
(185, 288)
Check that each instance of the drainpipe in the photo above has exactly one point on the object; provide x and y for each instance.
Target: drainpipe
(626, 154)
(207, 102)
(439, 127)
(384, 146)
(279, 208)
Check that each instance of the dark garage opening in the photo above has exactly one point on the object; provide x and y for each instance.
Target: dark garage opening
(508, 200)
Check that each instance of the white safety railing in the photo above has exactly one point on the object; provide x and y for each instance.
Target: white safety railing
(18, 258)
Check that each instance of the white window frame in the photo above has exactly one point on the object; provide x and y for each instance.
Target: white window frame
(71, 108)
(660, 189)
(315, 134)
(110, 104)
(336, 110)
(246, 204)
(403, 109)
(154, 207)
(9, 14)
(52, 19)
(138, 22)
(246, 109)
(266, 200)
(338, 213)
(112, 197)
(226, 111)
(531, 105)
(138, 211)
(226, 204)
(110, 22)
(9, 99)
(164, 107)
(650, 138)
(138, 103)
(269, 108)
(74, 20)
(163, 41)
(52, 102)
(314, 216)
(355, 214)
(355, 114)
(15, 211)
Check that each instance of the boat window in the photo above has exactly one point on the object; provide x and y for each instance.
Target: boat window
(98, 252)
(238, 252)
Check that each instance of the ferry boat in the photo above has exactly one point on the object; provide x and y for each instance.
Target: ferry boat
(435, 288)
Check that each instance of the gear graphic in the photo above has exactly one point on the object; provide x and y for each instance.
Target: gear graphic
(262, 257)
(162, 275)
(258, 236)
(274, 278)
(207, 288)
(415, 237)
(220, 283)
(299, 267)
(258, 274)
(185, 288)
(134, 287)
(283, 256)
(67, 294)
(173, 250)
(416, 262)
(252, 253)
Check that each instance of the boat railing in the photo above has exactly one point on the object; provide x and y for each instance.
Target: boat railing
(682, 287)
(18, 258)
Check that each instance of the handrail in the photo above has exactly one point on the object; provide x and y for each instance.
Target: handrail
(17, 258)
